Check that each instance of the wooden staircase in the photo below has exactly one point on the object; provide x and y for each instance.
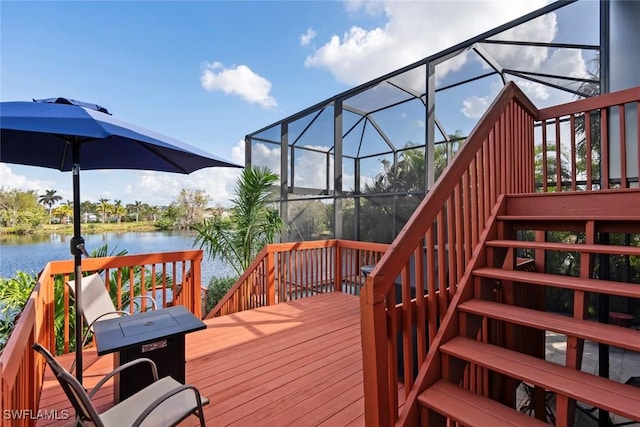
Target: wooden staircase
(495, 339)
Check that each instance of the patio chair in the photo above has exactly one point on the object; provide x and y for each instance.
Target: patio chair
(97, 304)
(165, 402)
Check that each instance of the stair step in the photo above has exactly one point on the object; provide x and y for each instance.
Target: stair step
(471, 409)
(569, 282)
(574, 223)
(611, 205)
(567, 218)
(610, 395)
(589, 330)
(568, 247)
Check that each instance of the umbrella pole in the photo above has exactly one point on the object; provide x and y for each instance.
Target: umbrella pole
(76, 251)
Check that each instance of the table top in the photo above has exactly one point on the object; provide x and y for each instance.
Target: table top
(128, 331)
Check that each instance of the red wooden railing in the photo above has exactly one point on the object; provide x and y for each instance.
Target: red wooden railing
(287, 271)
(499, 157)
(21, 372)
(602, 158)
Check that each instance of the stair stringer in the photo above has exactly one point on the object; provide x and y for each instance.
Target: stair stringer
(431, 369)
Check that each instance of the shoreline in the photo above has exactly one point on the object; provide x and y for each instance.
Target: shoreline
(87, 228)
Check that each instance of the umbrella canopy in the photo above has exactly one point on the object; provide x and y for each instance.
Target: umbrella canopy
(43, 133)
(66, 134)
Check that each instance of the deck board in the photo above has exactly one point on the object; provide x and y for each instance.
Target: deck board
(297, 363)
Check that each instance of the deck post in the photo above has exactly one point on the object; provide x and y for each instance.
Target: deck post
(375, 362)
(338, 266)
(196, 278)
(271, 279)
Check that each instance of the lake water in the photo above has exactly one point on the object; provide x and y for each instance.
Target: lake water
(32, 252)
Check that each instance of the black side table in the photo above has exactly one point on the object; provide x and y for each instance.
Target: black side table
(157, 335)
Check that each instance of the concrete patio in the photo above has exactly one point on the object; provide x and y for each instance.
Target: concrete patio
(623, 364)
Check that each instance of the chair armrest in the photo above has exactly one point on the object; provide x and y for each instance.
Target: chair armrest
(97, 319)
(89, 331)
(154, 371)
(153, 302)
(166, 396)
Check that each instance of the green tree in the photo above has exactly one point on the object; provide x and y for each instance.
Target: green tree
(308, 219)
(253, 222)
(86, 208)
(137, 205)
(21, 211)
(552, 164)
(105, 208)
(49, 198)
(588, 89)
(168, 217)
(64, 212)
(190, 206)
(118, 210)
(154, 211)
(395, 193)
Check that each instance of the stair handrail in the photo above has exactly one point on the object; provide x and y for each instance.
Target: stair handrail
(381, 277)
(257, 261)
(380, 383)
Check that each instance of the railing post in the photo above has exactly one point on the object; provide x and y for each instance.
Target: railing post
(196, 279)
(271, 278)
(375, 362)
(338, 266)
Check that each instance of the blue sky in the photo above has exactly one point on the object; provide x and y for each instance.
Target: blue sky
(210, 72)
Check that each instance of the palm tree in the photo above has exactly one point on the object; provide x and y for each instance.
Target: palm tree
(589, 89)
(49, 198)
(137, 204)
(154, 211)
(118, 210)
(64, 211)
(252, 225)
(105, 208)
(86, 207)
(385, 210)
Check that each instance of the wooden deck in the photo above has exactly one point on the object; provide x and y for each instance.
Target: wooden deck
(297, 363)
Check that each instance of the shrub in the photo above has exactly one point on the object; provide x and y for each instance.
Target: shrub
(14, 294)
(218, 288)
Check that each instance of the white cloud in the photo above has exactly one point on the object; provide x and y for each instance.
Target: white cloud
(474, 106)
(533, 90)
(163, 188)
(542, 29)
(12, 180)
(412, 31)
(307, 38)
(240, 81)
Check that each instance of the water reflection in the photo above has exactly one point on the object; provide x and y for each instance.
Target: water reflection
(30, 253)
(29, 239)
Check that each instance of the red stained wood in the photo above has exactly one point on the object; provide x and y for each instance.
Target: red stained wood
(471, 409)
(299, 362)
(585, 329)
(588, 388)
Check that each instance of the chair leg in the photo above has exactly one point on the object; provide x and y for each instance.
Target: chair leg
(201, 416)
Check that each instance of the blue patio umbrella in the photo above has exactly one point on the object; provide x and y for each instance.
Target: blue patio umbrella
(66, 134)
